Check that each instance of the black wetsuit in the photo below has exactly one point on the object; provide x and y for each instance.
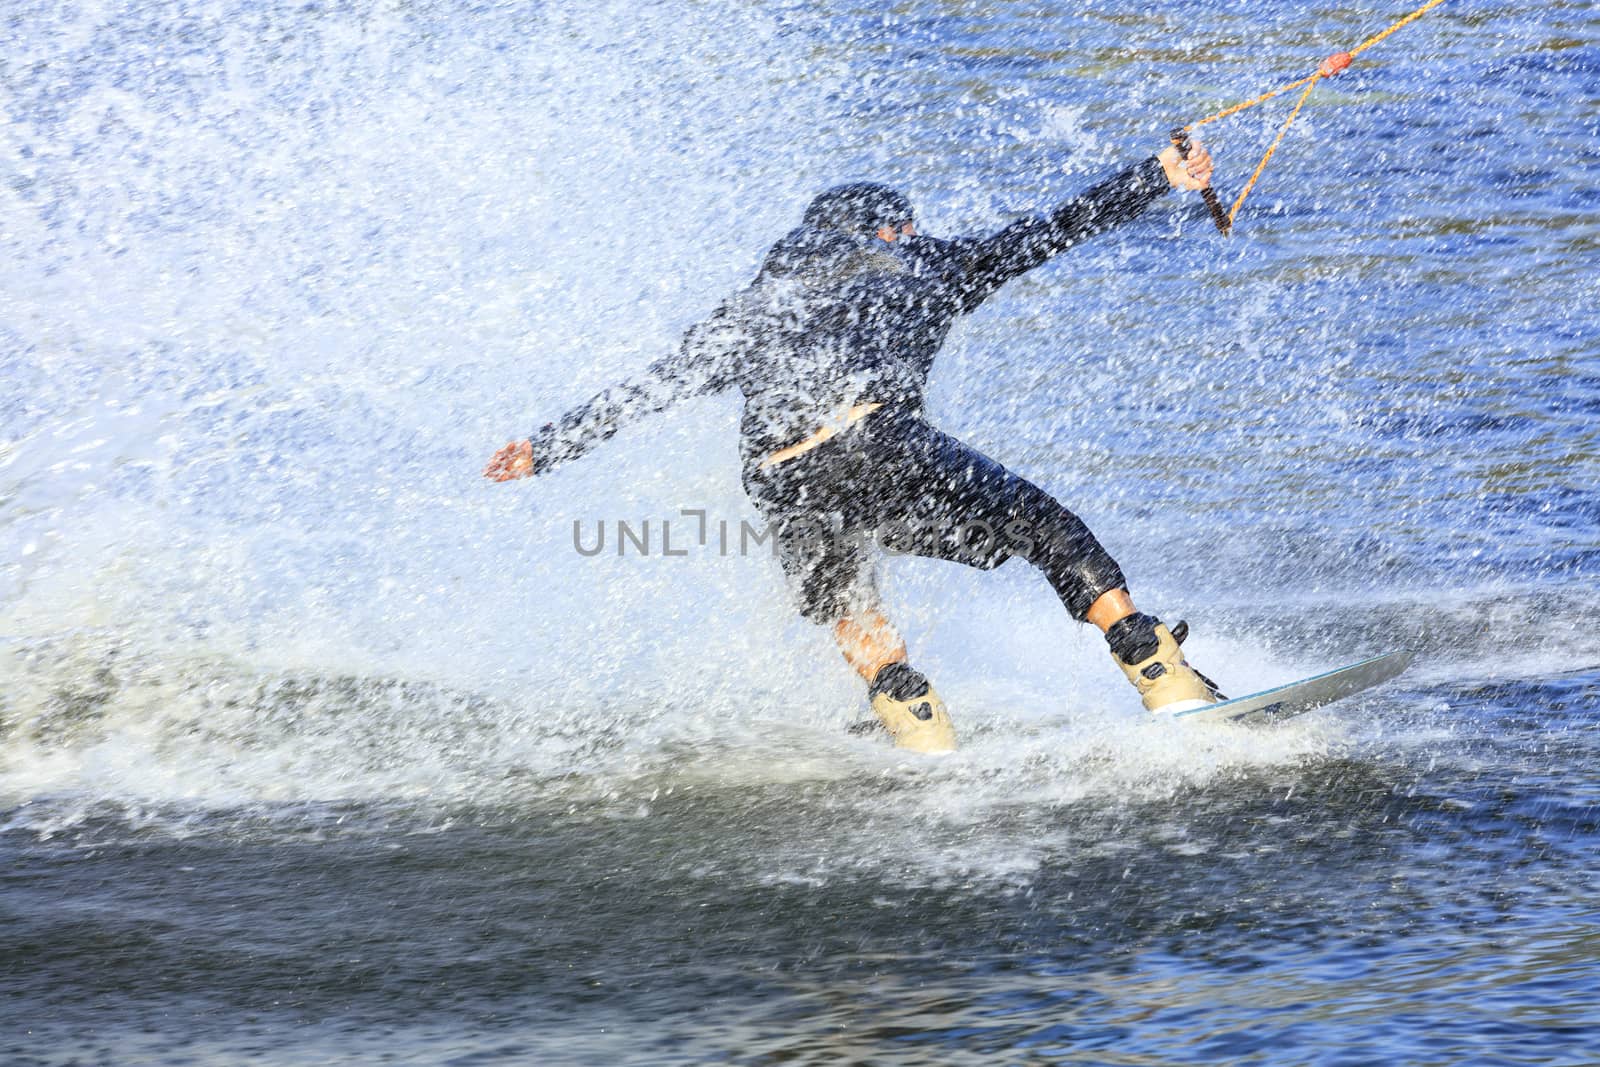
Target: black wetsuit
(838, 318)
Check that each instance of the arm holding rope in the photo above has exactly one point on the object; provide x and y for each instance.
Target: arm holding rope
(1027, 243)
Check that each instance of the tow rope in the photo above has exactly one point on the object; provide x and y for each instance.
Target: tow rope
(1328, 68)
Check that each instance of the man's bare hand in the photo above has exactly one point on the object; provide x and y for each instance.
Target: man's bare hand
(511, 462)
(1191, 173)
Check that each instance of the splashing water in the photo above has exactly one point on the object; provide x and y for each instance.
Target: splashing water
(309, 723)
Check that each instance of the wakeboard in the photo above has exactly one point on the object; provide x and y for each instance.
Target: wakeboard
(1297, 698)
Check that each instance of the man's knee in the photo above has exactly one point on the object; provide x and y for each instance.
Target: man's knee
(835, 589)
(1062, 546)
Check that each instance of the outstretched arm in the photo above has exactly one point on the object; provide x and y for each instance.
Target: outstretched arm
(1026, 243)
(700, 366)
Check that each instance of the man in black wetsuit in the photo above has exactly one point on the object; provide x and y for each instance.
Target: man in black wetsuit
(831, 346)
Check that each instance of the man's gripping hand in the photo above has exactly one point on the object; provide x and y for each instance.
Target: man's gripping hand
(511, 462)
(1191, 173)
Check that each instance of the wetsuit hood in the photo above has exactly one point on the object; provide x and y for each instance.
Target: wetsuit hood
(858, 208)
(834, 240)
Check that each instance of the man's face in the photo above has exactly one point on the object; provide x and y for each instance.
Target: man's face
(894, 233)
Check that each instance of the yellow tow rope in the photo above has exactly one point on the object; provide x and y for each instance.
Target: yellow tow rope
(1326, 69)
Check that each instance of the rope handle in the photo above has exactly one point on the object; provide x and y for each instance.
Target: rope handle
(1180, 140)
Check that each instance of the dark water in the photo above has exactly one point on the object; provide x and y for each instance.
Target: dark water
(313, 748)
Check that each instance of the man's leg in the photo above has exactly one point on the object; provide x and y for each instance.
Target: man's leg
(1110, 608)
(830, 570)
(869, 642)
(901, 696)
(952, 492)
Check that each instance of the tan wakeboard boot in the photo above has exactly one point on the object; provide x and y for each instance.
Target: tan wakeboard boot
(911, 711)
(1148, 653)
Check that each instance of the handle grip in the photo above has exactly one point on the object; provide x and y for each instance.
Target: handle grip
(1180, 139)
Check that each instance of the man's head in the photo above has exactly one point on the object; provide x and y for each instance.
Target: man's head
(840, 236)
(862, 209)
